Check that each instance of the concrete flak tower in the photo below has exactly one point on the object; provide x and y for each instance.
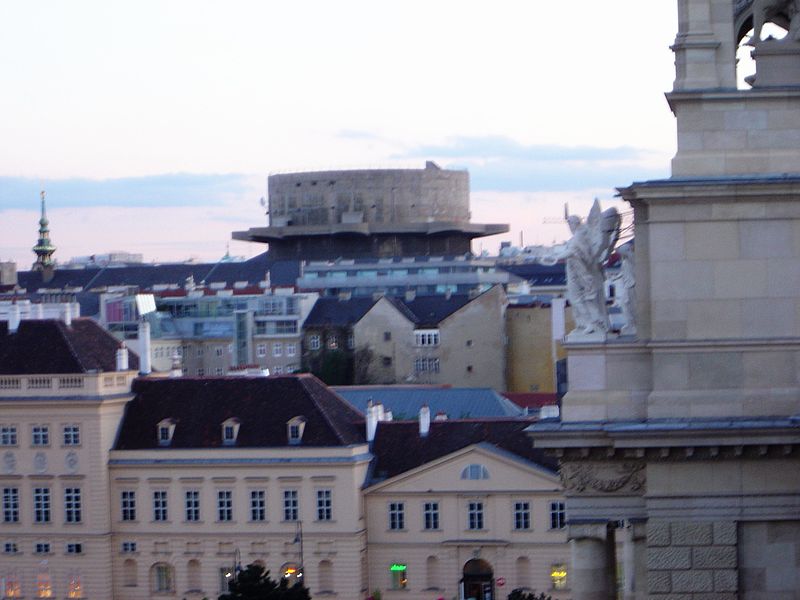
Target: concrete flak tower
(680, 448)
(44, 248)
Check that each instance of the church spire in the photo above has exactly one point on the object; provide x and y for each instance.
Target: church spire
(44, 248)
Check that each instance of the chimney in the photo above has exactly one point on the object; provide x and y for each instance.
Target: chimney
(379, 411)
(424, 420)
(13, 317)
(144, 347)
(67, 313)
(122, 358)
(372, 421)
(387, 416)
(39, 310)
(549, 411)
(411, 295)
(440, 416)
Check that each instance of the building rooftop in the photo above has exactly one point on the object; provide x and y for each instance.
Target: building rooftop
(446, 437)
(52, 347)
(263, 407)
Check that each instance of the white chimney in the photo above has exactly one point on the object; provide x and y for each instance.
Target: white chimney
(13, 318)
(424, 420)
(379, 411)
(144, 347)
(39, 311)
(410, 295)
(67, 313)
(122, 358)
(440, 416)
(549, 411)
(372, 421)
(387, 415)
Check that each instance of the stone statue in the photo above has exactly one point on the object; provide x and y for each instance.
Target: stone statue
(584, 254)
(765, 11)
(626, 289)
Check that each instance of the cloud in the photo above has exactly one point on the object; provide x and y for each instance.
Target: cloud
(503, 164)
(175, 189)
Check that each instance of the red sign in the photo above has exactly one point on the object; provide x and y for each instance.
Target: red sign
(500, 581)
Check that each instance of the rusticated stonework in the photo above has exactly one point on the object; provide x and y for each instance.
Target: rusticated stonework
(608, 478)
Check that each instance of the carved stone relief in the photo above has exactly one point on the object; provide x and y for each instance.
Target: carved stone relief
(606, 478)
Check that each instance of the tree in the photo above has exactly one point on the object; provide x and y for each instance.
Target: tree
(254, 583)
(520, 594)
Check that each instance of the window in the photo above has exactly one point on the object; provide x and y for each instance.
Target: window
(42, 548)
(75, 589)
(558, 576)
(10, 548)
(128, 505)
(201, 372)
(74, 548)
(40, 435)
(397, 515)
(8, 435)
(277, 349)
(422, 365)
(333, 341)
(522, 515)
(41, 505)
(162, 578)
(475, 515)
(165, 430)
(10, 505)
(160, 505)
(219, 350)
(314, 342)
(325, 576)
(230, 431)
(261, 350)
(290, 505)
(200, 351)
(351, 341)
(291, 368)
(399, 576)
(324, 505)
(72, 435)
(192, 505)
(258, 505)
(129, 573)
(295, 428)
(277, 370)
(219, 371)
(44, 585)
(387, 336)
(386, 361)
(128, 547)
(558, 515)
(225, 505)
(426, 337)
(291, 349)
(475, 471)
(72, 505)
(430, 514)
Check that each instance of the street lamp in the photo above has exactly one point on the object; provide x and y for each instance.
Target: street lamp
(298, 539)
(233, 574)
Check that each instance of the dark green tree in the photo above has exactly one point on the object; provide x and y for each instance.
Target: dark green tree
(254, 583)
(520, 594)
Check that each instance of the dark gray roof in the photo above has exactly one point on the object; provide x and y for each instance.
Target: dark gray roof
(431, 310)
(405, 401)
(536, 274)
(335, 312)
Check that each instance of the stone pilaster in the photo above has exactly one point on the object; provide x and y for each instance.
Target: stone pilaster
(692, 560)
(592, 547)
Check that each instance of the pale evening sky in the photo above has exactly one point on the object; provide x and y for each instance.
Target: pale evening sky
(153, 125)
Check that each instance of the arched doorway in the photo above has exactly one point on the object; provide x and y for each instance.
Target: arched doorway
(478, 580)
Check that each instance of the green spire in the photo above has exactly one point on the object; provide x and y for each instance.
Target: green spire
(44, 248)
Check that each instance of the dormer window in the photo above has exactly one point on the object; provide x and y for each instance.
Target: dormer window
(295, 429)
(475, 471)
(230, 431)
(166, 429)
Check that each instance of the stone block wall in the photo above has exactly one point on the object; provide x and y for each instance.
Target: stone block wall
(692, 560)
(769, 560)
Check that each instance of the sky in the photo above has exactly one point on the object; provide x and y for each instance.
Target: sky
(153, 125)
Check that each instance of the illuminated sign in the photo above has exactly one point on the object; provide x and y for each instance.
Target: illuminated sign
(396, 567)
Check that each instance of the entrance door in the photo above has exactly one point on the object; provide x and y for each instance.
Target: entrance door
(478, 580)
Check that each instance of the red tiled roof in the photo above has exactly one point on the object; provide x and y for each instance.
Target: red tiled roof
(532, 399)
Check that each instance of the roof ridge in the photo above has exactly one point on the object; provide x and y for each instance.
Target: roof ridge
(62, 328)
(304, 382)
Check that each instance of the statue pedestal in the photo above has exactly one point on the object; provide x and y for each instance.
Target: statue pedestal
(777, 64)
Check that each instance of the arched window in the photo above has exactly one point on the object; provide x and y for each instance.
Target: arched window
(523, 568)
(475, 471)
(44, 585)
(193, 573)
(432, 573)
(162, 578)
(325, 574)
(129, 576)
(74, 586)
